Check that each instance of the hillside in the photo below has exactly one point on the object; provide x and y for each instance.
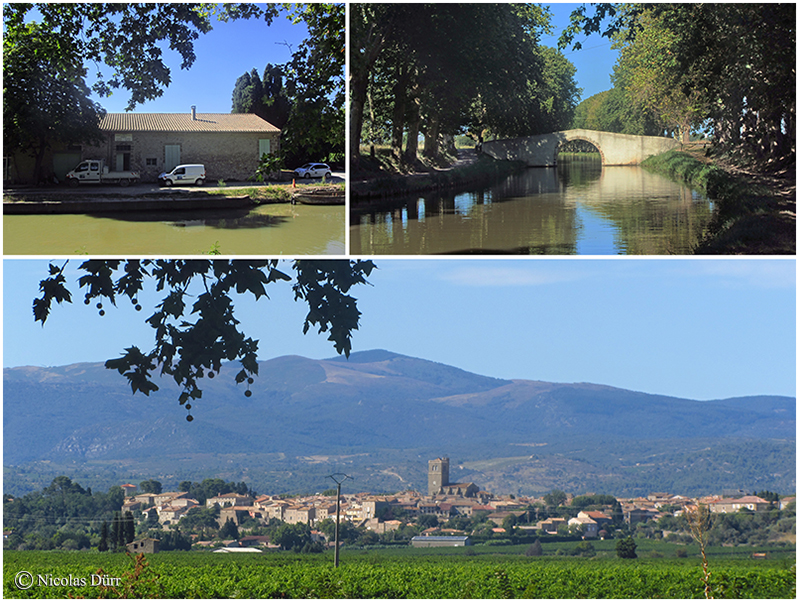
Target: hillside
(380, 415)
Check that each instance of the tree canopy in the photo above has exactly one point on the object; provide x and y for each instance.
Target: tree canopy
(189, 351)
(470, 67)
(728, 68)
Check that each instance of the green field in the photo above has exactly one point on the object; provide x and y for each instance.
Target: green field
(474, 572)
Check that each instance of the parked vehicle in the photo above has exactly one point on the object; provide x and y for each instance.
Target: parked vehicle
(95, 171)
(313, 170)
(184, 174)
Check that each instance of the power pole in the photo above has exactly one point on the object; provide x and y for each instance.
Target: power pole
(338, 478)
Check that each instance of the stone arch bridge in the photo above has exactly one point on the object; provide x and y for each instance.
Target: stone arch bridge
(615, 149)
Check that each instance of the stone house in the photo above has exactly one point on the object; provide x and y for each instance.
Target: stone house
(732, 505)
(228, 144)
(144, 545)
(588, 526)
(232, 499)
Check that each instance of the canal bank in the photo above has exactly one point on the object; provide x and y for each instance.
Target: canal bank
(755, 213)
(469, 170)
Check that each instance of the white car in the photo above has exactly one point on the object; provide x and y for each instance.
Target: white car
(184, 174)
(313, 170)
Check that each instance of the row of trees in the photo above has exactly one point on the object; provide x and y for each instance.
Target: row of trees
(725, 69)
(441, 69)
(45, 65)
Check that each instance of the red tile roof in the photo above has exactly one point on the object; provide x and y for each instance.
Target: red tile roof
(183, 122)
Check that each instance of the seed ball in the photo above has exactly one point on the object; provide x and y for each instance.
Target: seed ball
(248, 393)
(189, 418)
(87, 301)
(250, 380)
(211, 375)
(99, 306)
(134, 301)
(138, 308)
(188, 407)
(102, 312)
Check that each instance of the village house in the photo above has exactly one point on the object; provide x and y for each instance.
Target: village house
(230, 145)
(147, 546)
(587, 525)
(232, 499)
(732, 505)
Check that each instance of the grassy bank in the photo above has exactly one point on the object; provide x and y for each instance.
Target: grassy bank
(753, 215)
(483, 170)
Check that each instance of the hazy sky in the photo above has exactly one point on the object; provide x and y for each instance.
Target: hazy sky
(230, 49)
(694, 328)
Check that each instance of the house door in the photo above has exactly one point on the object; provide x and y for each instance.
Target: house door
(172, 156)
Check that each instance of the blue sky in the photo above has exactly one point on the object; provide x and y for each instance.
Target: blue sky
(594, 61)
(694, 328)
(223, 54)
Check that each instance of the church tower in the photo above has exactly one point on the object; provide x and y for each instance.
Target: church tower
(438, 475)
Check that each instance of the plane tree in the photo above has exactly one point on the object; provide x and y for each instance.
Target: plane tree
(189, 351)
(482, 70)
(731, 65)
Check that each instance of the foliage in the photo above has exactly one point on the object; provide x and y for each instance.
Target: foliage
(56, 517)
(734, 66)
(268, 166)
(190, 351)
(124, 37)
(45, 97)
(626, 548)
(405, 82)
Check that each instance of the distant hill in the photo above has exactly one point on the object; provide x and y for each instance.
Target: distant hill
(381, 415)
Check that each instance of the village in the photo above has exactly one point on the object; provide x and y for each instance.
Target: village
(433, 513)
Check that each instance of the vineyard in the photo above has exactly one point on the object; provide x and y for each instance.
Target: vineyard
(36, 574)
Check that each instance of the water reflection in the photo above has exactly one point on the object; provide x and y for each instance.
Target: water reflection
(576, 208)
(265, 230)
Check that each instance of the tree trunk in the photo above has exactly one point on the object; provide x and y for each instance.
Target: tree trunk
(399, 112)
(358, 92)
(431, 148)
(413, 129)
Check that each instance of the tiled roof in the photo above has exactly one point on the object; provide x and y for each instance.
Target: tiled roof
(183, 122)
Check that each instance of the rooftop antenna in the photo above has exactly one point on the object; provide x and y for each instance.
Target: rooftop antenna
(338, 478)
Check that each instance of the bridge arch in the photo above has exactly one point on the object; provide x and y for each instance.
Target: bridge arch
(615, 149)
(594, 143)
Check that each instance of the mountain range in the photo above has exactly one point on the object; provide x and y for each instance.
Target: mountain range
(379, 416)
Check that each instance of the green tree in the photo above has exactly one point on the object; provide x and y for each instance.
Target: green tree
(229, 530)
(125, 38)
(292, 536)
(626, 548)
(188, 351)
(535, 550)
(555, 498)
(103, 544)
(732, 65)
(150, 486)
(45, 97)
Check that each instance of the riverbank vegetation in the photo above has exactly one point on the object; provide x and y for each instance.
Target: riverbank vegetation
(754, 212)
(398, 179)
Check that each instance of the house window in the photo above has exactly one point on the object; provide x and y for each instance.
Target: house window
(264, 146)
(151, 161)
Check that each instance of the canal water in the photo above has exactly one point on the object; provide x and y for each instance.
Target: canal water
(578, 207)
(273, 229)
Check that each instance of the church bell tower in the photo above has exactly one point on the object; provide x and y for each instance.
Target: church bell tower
(438, 475)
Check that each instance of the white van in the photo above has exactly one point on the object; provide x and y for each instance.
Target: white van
(184, 174)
